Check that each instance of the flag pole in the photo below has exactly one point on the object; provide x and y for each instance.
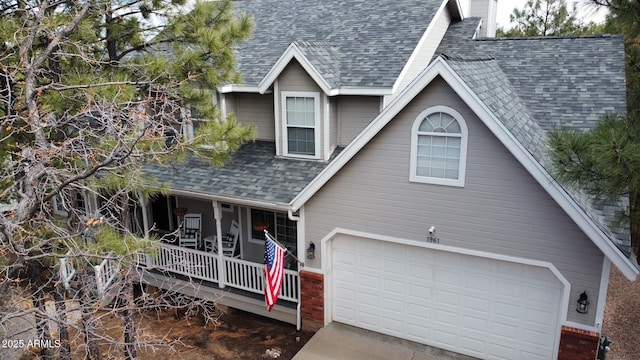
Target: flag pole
(273, 238)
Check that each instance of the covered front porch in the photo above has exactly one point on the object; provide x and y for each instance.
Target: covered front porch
(233, 278)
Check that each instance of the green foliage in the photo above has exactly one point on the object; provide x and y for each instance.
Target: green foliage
(623, 19)
(219, 140)
(605, 161)
(109, 241)
(547, 18)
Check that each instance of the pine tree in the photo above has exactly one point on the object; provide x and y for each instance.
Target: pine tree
(606, 162)
(89, 93)
(547, 18)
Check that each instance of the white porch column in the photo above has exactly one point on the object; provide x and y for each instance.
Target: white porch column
(217, 214)
(145, 215)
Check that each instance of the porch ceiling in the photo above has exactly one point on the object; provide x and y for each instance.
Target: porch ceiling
(254, 173)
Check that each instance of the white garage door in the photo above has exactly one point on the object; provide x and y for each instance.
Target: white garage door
(476, 306)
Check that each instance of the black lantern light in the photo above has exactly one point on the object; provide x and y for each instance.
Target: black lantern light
(583, 303)
(311, 251)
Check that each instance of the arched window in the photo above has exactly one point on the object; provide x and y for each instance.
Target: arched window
(439, 147)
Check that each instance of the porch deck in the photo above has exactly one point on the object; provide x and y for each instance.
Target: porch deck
(228, 281)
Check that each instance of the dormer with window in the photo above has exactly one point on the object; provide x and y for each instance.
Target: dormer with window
(302, 118)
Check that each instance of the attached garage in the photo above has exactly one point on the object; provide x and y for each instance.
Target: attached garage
(479, 306)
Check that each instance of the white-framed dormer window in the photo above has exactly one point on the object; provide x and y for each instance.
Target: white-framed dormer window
(301, 124)
(192, 117)
(439, 147)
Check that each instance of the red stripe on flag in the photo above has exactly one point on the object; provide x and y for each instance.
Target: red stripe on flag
(273, 271)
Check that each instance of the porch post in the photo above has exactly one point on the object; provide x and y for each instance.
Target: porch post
(145, 216)
(217, 214)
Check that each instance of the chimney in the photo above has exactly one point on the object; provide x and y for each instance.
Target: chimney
(487, 10)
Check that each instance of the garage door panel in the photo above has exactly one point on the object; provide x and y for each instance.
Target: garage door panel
(394, 286)
(394, 325)
(394, 267)
(420, 291)
(368, 299)
(475, 323)
(446, 297)
(368, 318)
(473, 302)
(478, 282)
(343, 313)
(503, 351)
(445, 318)
(369, 263)
(369, 282)
(447, 277)
(446, 337)
(472, 346)
(393, 306)
(481, 307)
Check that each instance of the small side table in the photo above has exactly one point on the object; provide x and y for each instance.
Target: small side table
(211, 243)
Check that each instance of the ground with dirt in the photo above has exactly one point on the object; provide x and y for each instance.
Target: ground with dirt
(622, 317)
(234, 335)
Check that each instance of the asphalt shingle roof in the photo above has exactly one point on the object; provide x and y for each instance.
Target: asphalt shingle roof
(378, 37)
(563, 81)
(533, 85)
(254, 173)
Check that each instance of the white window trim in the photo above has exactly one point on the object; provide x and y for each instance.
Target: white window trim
(187, 124)
(283, 111)
(58, 207)
(413, 177)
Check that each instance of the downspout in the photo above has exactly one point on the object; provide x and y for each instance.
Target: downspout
(292, 217)
(299, 306)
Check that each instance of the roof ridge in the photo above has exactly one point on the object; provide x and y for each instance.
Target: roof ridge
(467, 59)
(549, 38)
(315, 43)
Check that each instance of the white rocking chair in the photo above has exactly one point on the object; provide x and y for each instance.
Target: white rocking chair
(229, 241)
(190, 233)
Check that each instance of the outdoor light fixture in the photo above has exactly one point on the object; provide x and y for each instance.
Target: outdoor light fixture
(311, 251)
(583, 303)
(432, 238)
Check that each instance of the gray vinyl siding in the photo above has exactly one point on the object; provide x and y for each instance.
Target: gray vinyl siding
(256, 109)
(333, 122)
(229, 103)
(354, 114)
(487, 10)
(501, 208)
(426, 51)
(295, 78)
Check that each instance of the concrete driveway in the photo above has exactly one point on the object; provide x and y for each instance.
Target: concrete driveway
(338, 341)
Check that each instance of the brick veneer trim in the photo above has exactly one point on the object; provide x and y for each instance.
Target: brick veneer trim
(312, 296)
(577, 344)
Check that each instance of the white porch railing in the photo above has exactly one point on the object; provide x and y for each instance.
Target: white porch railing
(67, 271)
(184, 261)
(240, 274)
(105, 273)
(249, 276)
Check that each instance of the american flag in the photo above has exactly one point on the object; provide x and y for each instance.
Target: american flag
(273, 271)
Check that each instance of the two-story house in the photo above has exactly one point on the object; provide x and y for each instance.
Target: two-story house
(401, 156)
